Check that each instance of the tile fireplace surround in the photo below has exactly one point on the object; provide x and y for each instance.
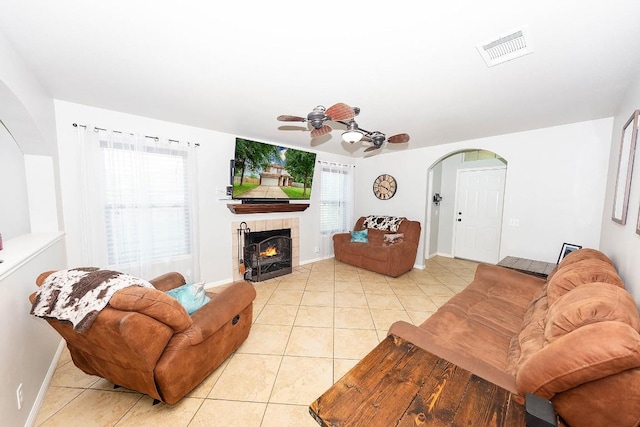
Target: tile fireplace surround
(266, 225)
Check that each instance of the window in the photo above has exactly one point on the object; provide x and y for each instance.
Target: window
(336, 198)
(146, 207)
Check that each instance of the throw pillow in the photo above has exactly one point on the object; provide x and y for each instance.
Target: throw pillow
(382, 222)
(192, 296)
(359, 236)
(391, 239)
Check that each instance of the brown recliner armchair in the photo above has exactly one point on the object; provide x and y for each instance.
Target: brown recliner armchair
(144, 339)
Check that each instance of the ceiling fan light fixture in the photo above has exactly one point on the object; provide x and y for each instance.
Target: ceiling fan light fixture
(352, 134)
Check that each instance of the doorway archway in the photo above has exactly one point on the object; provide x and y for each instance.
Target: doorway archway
(443, 221)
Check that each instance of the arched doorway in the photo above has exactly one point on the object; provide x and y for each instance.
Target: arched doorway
(465, 202)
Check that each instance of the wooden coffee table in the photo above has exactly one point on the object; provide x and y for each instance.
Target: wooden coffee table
(400, 384)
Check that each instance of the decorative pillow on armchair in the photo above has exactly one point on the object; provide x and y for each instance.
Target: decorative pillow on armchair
(359, 236)
(192, 296)
(390, 239)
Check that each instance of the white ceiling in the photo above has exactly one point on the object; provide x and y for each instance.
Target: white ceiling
(410, 67)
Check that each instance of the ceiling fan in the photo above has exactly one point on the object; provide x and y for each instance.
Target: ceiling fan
(345, 115)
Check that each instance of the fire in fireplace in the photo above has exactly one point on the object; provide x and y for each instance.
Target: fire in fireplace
(267, 254)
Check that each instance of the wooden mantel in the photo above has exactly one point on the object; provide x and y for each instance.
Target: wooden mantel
(252, 208)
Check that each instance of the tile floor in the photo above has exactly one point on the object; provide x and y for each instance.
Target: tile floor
(310, 327)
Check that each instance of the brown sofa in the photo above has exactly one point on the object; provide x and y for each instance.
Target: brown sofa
(392, 259)
(144, 339)
(572, 339)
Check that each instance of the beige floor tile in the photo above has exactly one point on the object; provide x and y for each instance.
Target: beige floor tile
(94, 408)
(317, 299)
(350, 299)
(320, 286)
(353, 343)
(279, 415)
(418, 317)
(417, 302)
(226, 413)
(377, 288)
(309, 341)
(266, 339)
(353, 318)
(285, 297)
(390, 302)
(349, 287)
(68, 375)
(383, 319)
(433, 289)
(203, 389)
(247, 377)
(298, 285)
(103, 384)
(301, 380)
(257, 309)
(55, 399)
(146, 414)
(274, 314)
(314, 316)
(406, 289)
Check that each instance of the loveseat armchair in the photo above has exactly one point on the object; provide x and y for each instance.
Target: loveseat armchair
(144, 339)
(391, 257)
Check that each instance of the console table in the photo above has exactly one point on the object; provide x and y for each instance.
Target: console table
(400, 384)
(528, 266)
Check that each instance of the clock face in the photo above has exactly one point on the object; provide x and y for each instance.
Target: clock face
(384, 187)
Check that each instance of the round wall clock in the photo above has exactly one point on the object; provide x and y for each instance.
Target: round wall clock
(384, 187)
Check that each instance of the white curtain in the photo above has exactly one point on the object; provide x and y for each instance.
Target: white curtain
(139, 204)
(336, 203)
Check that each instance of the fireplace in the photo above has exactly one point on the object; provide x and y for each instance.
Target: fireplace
(267, 254)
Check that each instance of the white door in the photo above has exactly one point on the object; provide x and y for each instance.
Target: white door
(478, 214)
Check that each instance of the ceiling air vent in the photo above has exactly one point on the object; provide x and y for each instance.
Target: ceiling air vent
(506, 48)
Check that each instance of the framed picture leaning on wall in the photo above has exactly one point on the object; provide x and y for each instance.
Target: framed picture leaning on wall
(567, 248)
(625, 169)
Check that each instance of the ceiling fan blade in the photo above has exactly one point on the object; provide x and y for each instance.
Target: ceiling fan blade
(287, 118)
(340, 111)
(399, 138)
(325, 129)
(372, 148)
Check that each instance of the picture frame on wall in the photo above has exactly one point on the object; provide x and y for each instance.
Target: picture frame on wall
(567, 248)
(625, 169)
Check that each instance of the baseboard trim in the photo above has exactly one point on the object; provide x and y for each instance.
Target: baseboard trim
(37, 404)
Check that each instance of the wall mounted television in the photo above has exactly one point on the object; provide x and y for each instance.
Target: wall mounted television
(268, 173)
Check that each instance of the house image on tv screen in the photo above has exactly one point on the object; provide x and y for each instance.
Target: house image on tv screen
(270, 172)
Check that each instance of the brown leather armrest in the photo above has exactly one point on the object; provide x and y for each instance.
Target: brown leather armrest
(168, 281)
(226, 302)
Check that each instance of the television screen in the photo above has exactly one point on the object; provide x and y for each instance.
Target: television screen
(266, 172)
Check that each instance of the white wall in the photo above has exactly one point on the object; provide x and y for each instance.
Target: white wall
(215, 152)
(30, 345)
(621, 242)
(14, 218)
(555, 185)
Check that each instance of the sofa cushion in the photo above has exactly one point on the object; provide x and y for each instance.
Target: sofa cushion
(391, 239)
(590, 303)
(580, 357)
(579, 273)
(192, 296)
(580, 255)
(381, 222)
(359, 236)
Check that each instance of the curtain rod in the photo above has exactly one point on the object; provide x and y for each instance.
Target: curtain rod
(75, 125)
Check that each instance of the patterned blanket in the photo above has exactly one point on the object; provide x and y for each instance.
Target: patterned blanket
(79, 294)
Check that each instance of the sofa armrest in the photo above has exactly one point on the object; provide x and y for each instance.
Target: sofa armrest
(168, 281)
(227, 301)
